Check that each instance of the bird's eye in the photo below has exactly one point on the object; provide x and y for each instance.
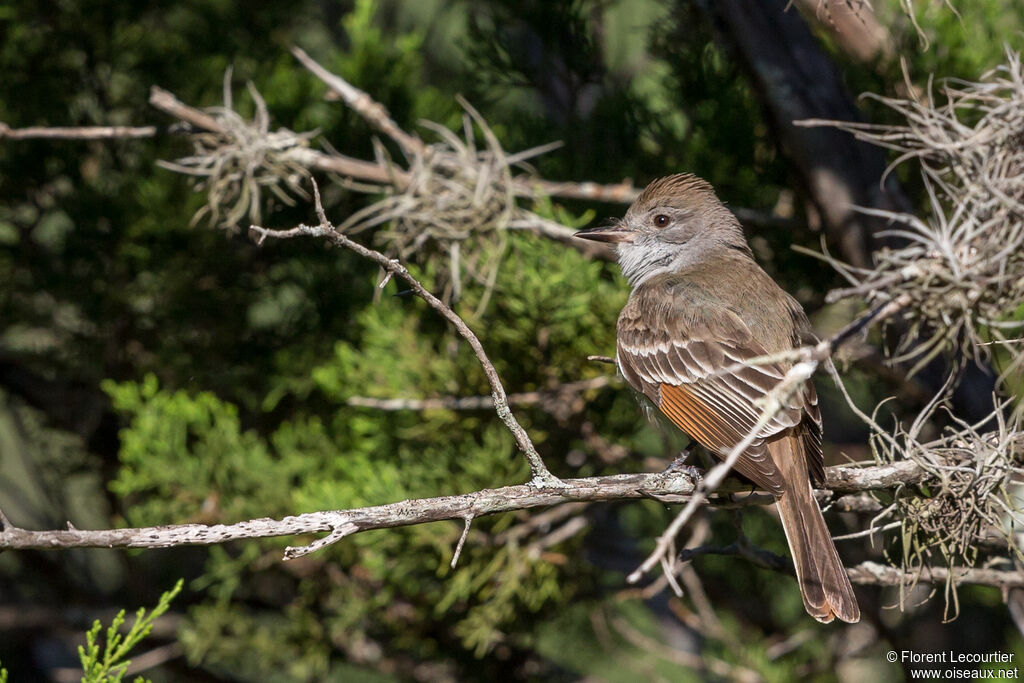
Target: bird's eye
(661, 220)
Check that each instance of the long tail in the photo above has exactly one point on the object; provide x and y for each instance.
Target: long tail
(823, 581)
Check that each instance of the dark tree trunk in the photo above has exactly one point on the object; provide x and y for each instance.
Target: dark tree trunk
(797, 80)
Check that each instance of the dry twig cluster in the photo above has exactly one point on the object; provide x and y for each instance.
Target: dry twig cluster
(964, 268)
(452, 197)
(237, 161)
(966, 505)
(458, 199)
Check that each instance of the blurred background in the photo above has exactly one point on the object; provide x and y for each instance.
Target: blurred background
(155, 369)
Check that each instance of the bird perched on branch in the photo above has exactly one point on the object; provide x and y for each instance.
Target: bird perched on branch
(700, 307)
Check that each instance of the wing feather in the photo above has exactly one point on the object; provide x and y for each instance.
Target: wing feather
(704, 424)
(680, 370)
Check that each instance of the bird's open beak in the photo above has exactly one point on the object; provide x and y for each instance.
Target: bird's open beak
(615, 233)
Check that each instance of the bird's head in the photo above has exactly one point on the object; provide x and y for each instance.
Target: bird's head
(676, 222)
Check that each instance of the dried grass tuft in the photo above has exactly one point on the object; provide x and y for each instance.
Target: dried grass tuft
(963, 267)
(237, 164)
(962, 272)
(458, 201)
(966, 505)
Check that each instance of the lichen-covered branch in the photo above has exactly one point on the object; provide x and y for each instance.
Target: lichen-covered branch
(670, 486)
(875, 574)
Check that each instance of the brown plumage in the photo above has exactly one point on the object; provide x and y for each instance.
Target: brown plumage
(700, 303)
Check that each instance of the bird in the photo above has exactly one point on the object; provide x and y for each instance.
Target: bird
(700, 307)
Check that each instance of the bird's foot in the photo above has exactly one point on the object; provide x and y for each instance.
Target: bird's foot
(680, 466)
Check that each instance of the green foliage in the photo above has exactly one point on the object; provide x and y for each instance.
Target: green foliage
(359, 457)
(961, 44)
(720, 110)
(216, 463)
(108, 665)
(3, 675)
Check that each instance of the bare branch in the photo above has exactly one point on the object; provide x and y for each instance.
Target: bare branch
(671, 486)
(874, 574)
(622, 193)
(868, 573)
(462, 541)
(169, 104)
(852, 479)
(364, 105)
(478, 402)
(542, 477)
(75, 133)
(341, 523)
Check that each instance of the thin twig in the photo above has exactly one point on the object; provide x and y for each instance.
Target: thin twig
(478, 402)
(76, 132)
(364, 105)
(759, 556)
(462, 540)
(871, 531)
(542, 477)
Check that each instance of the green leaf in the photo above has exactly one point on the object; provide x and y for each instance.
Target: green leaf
(109, 664)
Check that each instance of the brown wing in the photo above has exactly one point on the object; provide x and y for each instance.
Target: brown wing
(811, 433)
(674, 359)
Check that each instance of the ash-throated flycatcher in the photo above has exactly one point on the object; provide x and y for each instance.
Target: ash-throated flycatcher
(700, 303)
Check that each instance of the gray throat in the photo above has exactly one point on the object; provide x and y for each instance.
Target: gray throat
(646, 257)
